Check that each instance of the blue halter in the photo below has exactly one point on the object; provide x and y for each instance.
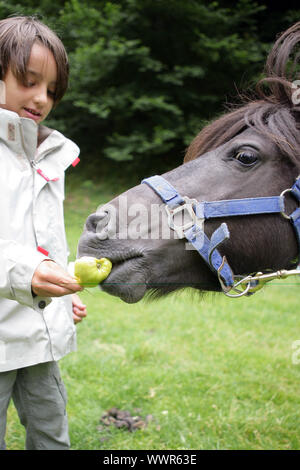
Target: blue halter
(198, 212)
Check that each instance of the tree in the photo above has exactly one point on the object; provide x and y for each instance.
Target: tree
(147, 75)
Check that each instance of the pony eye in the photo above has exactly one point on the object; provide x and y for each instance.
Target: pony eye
(246, 157)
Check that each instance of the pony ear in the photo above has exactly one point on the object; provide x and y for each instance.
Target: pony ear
(282, 69)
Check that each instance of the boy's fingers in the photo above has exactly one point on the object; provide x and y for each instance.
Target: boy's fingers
(47, 289)
(50, 280)
(76, 319)
(80, 307)
(80, 312)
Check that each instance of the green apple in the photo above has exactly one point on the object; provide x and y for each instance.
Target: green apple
(89, 271)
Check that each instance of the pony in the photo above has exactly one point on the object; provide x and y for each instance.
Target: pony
(229, 214)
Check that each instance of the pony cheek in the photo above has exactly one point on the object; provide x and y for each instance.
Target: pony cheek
(253, 245)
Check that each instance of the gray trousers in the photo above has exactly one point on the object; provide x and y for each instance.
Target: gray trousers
(40, 398)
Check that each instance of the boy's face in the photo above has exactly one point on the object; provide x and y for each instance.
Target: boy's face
(36, 99)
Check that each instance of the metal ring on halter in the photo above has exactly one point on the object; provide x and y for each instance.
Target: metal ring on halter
(234, 296)
(188, 206)
(281, 195)
(242, 292)
(227, 289)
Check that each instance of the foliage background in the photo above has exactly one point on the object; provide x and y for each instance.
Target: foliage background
(146, 75)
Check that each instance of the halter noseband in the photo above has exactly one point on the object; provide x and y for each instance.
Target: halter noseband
(199, 212)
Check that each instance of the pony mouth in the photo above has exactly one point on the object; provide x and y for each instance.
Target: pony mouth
(127, 279)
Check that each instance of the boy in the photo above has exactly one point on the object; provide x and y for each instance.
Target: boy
(36, 323)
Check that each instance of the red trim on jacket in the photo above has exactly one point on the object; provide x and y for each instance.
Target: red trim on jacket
(43, 251)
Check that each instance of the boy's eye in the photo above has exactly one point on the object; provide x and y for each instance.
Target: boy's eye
(51, 93)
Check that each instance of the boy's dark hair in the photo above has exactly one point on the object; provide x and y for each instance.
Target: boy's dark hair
(17, 36)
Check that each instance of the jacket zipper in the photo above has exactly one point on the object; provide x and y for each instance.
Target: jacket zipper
(33, 164)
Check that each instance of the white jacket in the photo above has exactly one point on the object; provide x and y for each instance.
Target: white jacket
(32, 230)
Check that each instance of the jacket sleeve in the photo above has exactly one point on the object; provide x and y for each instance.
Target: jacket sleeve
(18, 264)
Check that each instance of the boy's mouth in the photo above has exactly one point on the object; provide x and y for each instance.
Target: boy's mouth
(32, 113)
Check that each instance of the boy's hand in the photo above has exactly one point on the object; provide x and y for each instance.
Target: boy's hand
(50, 280)
(79, 309)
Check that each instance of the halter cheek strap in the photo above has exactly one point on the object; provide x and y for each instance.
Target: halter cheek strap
(198, 212)
(295, 216)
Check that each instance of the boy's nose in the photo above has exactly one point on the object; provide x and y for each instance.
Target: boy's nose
(41, 96)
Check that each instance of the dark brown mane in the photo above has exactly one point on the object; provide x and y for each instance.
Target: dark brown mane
(275, 113)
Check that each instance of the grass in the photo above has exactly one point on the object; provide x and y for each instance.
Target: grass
(215, 373)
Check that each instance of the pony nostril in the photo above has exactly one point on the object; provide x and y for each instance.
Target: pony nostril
(97, 222)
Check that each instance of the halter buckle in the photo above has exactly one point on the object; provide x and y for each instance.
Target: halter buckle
(183, 211)
(282, 195)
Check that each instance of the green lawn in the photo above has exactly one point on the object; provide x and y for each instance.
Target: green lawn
(215, 373)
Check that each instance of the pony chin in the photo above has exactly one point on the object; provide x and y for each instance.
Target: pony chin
(127, 281)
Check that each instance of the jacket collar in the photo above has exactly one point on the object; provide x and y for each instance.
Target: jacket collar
(19, 134)
(43, 133)
(23, 135)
